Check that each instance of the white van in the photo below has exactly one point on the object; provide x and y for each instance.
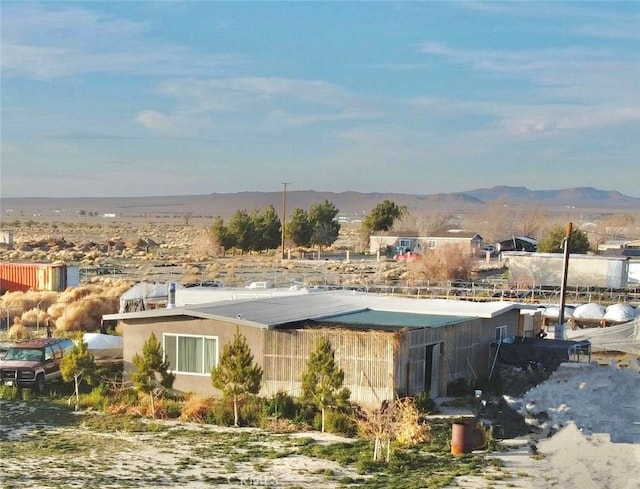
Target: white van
(260, 285)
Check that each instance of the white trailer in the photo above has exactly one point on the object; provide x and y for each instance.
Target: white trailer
(545, 270)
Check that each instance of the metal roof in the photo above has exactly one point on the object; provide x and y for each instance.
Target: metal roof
(393, 320)
(270, 312)
(193, 296)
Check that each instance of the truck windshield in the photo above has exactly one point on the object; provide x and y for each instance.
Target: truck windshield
(27, 354)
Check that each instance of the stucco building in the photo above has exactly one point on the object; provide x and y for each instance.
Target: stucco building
(387, 346)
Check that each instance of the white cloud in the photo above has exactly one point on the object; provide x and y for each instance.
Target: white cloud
(533, 63)
(45, 44)
(556, 119)
(526, 124)
(238, 94)
(171, 125)
(255, 105)
(77, 26)
(568, 88)
(283, 118)
(583, 19)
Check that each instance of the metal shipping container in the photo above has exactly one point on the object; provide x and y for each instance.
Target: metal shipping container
(33, 276)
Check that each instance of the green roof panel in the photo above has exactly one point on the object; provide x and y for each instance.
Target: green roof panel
(393, 320)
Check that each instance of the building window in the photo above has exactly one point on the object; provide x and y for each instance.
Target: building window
(405, 244)
(501, 333)
(190, 354)
(431, 244)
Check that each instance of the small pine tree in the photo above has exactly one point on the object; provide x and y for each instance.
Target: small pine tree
(149, 365)
(553, 241)
(78, 364)
(322, 380)
(236, 375)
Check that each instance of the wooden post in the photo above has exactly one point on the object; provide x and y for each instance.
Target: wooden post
(559, 332)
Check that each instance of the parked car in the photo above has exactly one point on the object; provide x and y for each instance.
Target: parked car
(34, 363)
(108, 270)
(408, 256)
(489, 249)
(204, 283)
(259, 285)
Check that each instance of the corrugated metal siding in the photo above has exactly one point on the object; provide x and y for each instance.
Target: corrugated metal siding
(32, 276)
(366, 357)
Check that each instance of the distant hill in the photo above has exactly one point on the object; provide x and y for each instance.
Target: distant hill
(578, 197)
(349, 203)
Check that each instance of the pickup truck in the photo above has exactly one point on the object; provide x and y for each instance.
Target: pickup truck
(34, 363)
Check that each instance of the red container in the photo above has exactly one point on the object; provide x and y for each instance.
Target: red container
(33, 276)
(460, 442)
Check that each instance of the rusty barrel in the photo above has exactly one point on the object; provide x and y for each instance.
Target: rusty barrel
(460, 438)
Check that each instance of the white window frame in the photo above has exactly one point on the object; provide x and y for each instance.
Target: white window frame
(176, 369)
(404, 243)
(501, 333)
(431, 244)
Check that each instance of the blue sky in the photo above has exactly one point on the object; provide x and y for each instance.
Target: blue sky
(169, 98)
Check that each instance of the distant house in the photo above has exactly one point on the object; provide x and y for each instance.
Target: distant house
(624, 248)
(620, 247)
(519, 243)
(387, 346)
(6, 237)
(411, 241)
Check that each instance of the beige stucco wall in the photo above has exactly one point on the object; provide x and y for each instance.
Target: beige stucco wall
(137, 332)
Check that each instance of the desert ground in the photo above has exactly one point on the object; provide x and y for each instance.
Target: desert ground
(112, 256)
(587, 435)
(586, 419)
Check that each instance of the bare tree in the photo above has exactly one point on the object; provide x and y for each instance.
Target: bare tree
(531, 221)
(399, 421)
(187, 217)
(206, 245)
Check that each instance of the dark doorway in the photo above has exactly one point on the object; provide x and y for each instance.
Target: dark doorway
(428, 367)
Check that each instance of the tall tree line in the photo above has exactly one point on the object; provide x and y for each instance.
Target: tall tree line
(262, 230)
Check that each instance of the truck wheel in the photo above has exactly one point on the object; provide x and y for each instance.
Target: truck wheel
(40, 383)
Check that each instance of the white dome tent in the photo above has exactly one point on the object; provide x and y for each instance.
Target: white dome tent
(104, 347)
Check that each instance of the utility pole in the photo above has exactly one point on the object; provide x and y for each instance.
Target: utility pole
(559, 331)
(284, 215)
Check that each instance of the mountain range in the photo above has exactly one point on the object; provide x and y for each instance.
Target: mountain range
(351, 203)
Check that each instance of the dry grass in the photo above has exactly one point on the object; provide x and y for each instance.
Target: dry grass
(399, 421)
(195, 408)
(75, 309)
(447, 262)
